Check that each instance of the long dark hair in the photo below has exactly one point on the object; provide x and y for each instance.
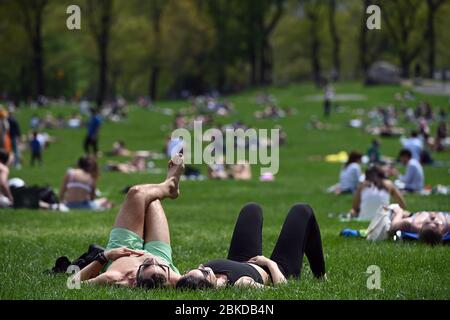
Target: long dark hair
(354, 156)
(375, 175)
(193, 283)
(89, 165)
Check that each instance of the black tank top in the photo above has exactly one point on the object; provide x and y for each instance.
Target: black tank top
(234, 270)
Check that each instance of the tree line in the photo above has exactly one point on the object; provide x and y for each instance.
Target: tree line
(161, 48)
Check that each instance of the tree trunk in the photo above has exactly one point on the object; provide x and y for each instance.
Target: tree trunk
(335, 39)
(155, 70)
(431, 34)
(253, 63)
(315, 50)
(103, 47)
(38, 56)
(262, 61)
(267, 62)
(154, 75)
(405, 63)
(103, 71)
(431, 43)
(32, 12)
(363, 43)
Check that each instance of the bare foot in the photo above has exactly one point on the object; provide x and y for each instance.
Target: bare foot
(175, 170)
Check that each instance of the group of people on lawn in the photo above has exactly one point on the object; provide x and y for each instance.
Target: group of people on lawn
(139, 253)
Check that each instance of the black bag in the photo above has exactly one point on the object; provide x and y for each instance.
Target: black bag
(29, 197)
(62, 263)
(26, 197)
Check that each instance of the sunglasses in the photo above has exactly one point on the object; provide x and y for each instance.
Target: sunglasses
(148, 263)
(202, 270)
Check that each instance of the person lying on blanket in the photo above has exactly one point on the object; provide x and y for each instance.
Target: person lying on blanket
(430, 225)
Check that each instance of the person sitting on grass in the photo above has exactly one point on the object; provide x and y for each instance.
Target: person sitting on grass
(138, 253)
(374, 153)
(79, 187)
(374, 192)
(349, 176)
(6, 198)
(413, 179)
(431, 226)
(245, 265)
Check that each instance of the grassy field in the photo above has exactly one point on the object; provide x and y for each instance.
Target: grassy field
(202, 219)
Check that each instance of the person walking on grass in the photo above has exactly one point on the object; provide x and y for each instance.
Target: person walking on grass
(15, 135)
(138, 253)
(245, 265)
(35, 149)
(93, 130)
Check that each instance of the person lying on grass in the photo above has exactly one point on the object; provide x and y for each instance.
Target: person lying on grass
(139, 252)
(431, 226)
(245, 265)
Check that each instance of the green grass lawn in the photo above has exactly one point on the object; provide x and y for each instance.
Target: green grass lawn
(202, 219)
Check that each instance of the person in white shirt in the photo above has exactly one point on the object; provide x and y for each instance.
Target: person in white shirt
(349, 176)
(374, 192)
(413, 144)
(414, 177)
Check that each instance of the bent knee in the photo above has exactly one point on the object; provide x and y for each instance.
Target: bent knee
(253, 206)
(135, 191)
(303, 209)
(155, 204)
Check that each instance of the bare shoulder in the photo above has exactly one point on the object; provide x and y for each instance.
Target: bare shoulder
(389, 185)
(112, 275)
(4, 169)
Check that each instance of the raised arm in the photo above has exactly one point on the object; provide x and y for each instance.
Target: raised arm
(396, 194)
(357, 200)
(399, 222)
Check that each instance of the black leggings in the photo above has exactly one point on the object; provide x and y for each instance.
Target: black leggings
(300, 235)
(90, 143)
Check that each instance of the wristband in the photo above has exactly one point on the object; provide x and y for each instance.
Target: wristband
(101, 258)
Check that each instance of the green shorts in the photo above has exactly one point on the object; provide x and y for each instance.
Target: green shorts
(121, 237)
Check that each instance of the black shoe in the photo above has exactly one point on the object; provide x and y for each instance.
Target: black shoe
(61, 265)
(89, 256)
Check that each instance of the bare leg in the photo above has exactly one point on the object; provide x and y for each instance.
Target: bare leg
(156, 226)
(132, 215)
